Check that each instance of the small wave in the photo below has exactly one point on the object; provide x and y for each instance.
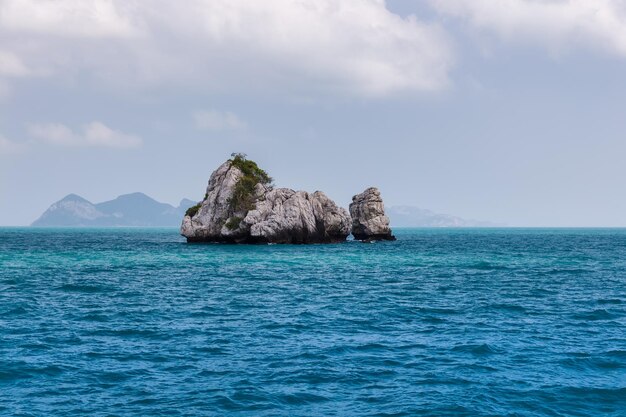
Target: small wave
(22, 370)
(131, 333)
(213, 350)
(36, 346)
(302, 398)
(226, 403)
(597, 394)
(213, 373)
(114, 377)
(478, 367)
(617, 353)
(371, 347)
(591, 363)
(599, 314)
(307, 356)
(610, 301)
(438, 310)
(488, 266)
(436, 380)
(512, 308)
(475, 349)
(434, 320)
(568, 271)
(99, 318)
(14, 371)
(81, 288)
(144, 401)
(542, 292)
(17, 311)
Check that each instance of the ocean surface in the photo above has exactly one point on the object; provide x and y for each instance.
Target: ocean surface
(463, 322)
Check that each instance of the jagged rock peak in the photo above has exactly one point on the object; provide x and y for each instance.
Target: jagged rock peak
(241, 206)
(369, 221)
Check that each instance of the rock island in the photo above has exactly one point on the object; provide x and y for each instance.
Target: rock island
(241, 205)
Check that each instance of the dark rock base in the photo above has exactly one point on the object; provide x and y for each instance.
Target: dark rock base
(293, 240)
(373, 238)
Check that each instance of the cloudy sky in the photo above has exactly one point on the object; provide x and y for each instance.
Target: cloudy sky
(512, 111)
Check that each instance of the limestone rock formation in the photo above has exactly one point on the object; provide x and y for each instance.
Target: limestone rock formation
(287, 216)
(241, 206)
(369, 221)
(205, 221)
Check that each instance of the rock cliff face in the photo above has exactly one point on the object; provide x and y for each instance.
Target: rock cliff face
(287, 216)
(208, 222)
(241, 207)
(369, 221)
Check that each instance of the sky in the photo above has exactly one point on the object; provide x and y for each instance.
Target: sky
(510, 111)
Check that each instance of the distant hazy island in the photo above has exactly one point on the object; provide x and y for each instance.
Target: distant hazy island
(136, 209)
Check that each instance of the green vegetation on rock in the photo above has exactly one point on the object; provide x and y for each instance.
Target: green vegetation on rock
(249, 168)
(233, 223)
(191, 211)
(243, 196)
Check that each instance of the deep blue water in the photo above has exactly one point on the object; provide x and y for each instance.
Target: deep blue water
(499, 322)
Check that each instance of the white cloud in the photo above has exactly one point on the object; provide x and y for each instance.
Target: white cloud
(84, 18)
(11, 65)
(555, 23)
(8, 147)
(94, 134)
(218, 120)
(351, 46)
(5, 90)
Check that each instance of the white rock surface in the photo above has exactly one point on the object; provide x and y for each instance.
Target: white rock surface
(280, 215)
(287, 216)
(369, 221)
(209, 222)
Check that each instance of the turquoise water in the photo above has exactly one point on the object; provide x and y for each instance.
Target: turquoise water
(500, 322)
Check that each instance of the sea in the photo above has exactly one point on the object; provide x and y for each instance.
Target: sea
(441, 322)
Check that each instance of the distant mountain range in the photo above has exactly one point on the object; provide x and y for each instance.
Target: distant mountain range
(137, 209)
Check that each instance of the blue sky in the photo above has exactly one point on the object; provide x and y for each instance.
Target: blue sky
(511, 111)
